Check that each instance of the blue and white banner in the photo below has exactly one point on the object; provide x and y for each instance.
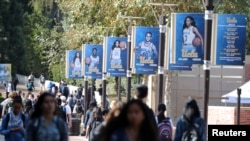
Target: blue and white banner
(5, 72)
(92, 55)
(145, 49)
(115, 54)
(187, 38)
(74, 64)
(168, 55)
(229, 39)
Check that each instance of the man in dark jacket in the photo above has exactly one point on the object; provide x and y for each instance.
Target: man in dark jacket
(141, 93)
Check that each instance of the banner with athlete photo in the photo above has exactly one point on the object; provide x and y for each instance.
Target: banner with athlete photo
(145, 49)
(229, 39)
(74, 64)
(115, 54)
(187, 38)
(92, 59)
(168, 52)
(5, 72)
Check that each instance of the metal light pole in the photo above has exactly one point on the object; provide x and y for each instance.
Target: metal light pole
(162, 26)
(207, 53)
(119, 89)
(86, 101)
(104, 85)
(238, 106)
(129, 70)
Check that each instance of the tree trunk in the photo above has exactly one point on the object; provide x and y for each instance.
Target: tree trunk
(168, 89)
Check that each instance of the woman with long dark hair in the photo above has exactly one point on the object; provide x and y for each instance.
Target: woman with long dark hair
(191, 118)
(44, 124)
(190, 32)
(132, 124)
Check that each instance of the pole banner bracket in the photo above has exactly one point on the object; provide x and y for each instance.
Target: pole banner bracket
(129, 73)
(206, 65)
(160, 70)
(162, 28)
(209, 14)
(104, 76)
(129, 38)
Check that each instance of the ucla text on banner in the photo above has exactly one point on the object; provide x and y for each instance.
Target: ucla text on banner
(232, 132)
(187, 43)
(145, 49)
(168, 55)
(115, 54)
(92, 59)
(74, 64)
(5, 72)
(229, 39)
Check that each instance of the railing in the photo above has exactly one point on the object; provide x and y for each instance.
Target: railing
(24, 79)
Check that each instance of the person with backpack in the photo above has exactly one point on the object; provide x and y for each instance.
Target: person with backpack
(44, 124)
(14, 123)
(66, 113)
(30, 86)
(190, 126)
(65, 90)
(31, 78)
(78, 109)
(71, 101)
(15, 82)
(165, 126)
(42, 82)
(95, 121)
(79, 91)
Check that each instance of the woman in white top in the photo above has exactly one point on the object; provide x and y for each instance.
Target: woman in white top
(76, 63)
(190, 32)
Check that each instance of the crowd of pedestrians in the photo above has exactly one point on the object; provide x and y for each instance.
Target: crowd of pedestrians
(48, 116)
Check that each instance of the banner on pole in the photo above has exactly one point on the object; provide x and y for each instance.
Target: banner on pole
(168, 52)
(187, 34)
(144, 49)
(115, 54)
(5, 72)
(92, 59)
(229, 39)
(74, 64)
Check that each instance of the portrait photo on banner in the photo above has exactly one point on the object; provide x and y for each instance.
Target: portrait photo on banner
(5, 72)
(188, 38)
(116, 54)
(145, 49)
(74, 63)
(92, 55)
(168, 56)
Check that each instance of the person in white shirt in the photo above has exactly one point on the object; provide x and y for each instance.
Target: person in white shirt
(68, 111)
(115, 54)
(94, 59)
(190, 32)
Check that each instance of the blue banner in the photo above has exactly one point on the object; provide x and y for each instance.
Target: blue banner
(92, 55)
(115, 52)
(229, 39)
(173, 67)
(187, 38)
(145, 49)
(5, 72)
(74, 64)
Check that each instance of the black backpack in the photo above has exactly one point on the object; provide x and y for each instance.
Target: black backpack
(192, 132)
(65, 91)
(62, 113)
(79, 108)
